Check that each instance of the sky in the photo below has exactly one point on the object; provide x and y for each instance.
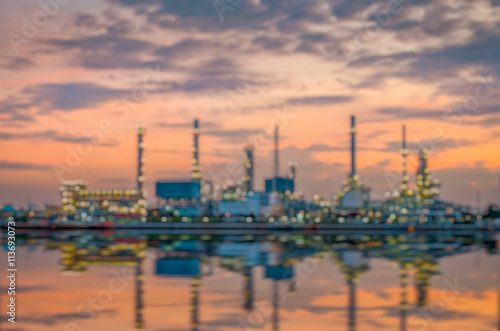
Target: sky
(78, 77)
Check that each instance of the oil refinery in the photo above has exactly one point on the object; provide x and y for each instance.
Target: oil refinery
(197, 199)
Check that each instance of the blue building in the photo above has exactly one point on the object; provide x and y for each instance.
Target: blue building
(178, 189)
(282, 185)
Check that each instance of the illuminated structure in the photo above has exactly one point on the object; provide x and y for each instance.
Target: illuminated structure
(427, 188)
(140, 161)
(292, 165)
(278, 184)
(196, 157)
(405, 199)
(184, 197)
(141, 201)
(240, 199)
(276, 157)
(76, 197)
(249, 168)
(421, 204)
(404, 157)
(354, 194)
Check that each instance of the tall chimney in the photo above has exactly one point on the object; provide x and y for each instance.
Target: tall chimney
(353, 146)
(249, 168)
(404, 154)
(276, 151)
(276, 158)
(196, 159)
(140, 162)
(293, 172)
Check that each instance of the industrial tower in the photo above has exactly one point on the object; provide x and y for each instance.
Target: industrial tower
(141, 199)
(276, 158)
(249, 168)
(196, 158)
(354, 194)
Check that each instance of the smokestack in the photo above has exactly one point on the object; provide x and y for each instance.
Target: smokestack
(249, 168)
(140, 161)
(276, 159)
(196, 159)
(293, 172)
(353, 146)
(404, 153)
(276, 151)
(422, 164)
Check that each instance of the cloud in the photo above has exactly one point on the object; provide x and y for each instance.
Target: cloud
(106, 51)
(51, 320)
(325, 148)
(409, 113)
(217, 76)
(194, 15)
(489, 108)
(52, 97)
(70, 96)
(440, 146)
(441, 65)
(187, 124)
(4, 164)
(51, 135)
(185, 48)
(233, 136)
(320, 100)
(16, 63)
(346, 8)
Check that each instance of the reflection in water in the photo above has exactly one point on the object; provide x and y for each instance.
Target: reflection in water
(139, 305)
(404, 294)
(498, 286)
(194, 257)
(248, 289)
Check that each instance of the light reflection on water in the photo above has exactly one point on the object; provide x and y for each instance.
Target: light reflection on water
(287, 281)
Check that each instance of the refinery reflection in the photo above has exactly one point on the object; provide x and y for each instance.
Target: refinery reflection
(281, 256)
